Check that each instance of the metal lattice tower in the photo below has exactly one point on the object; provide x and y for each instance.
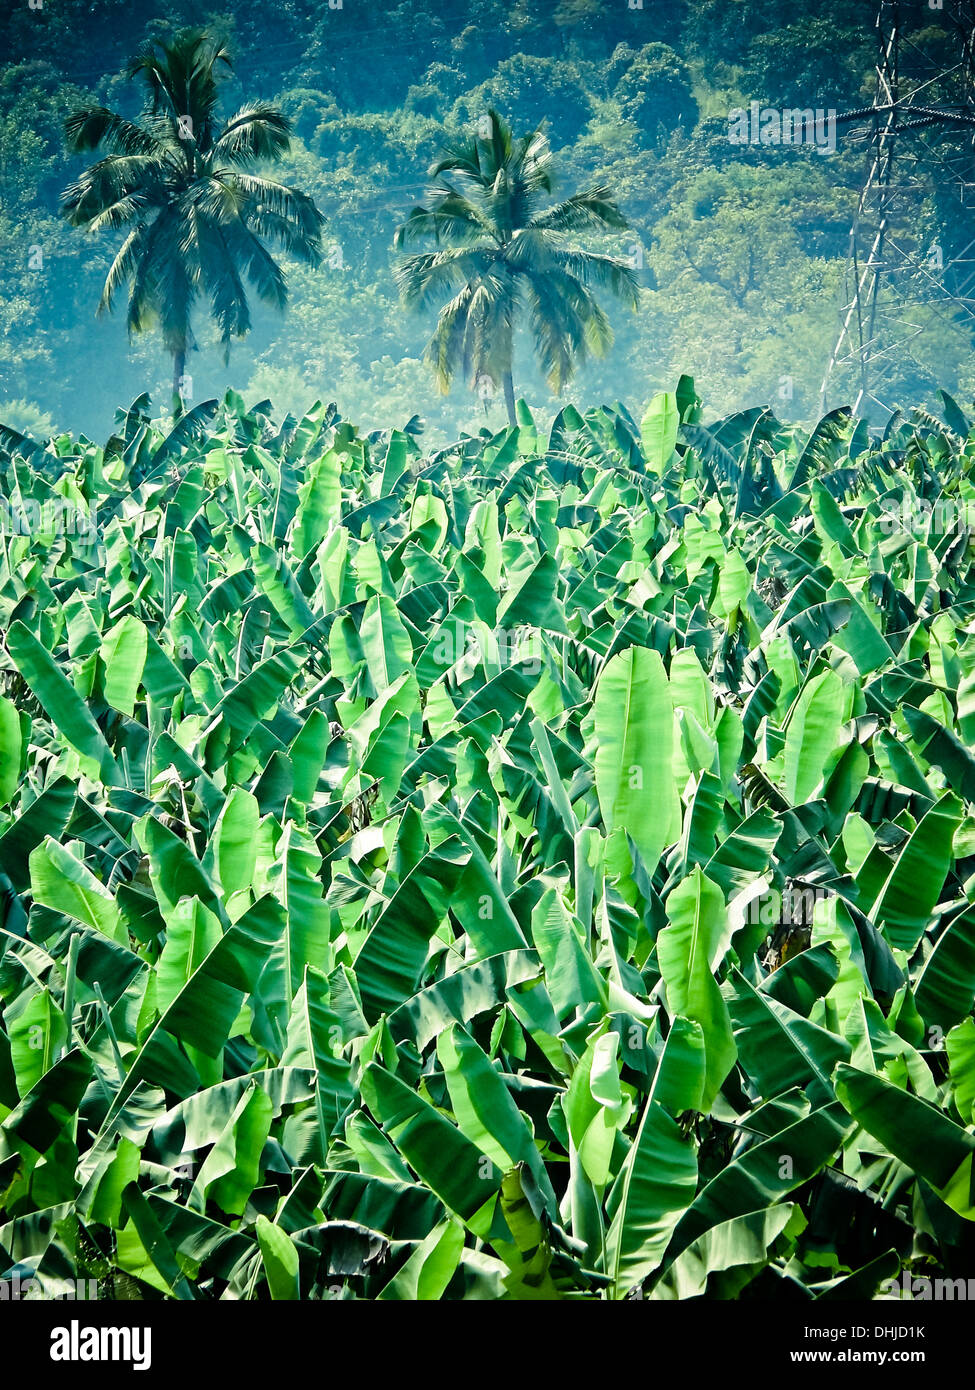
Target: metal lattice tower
(900, 278)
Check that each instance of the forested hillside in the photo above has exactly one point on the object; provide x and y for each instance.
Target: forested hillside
(739, 249)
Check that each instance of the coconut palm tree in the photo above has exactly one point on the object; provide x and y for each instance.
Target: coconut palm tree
(499, 252)
(178, 179)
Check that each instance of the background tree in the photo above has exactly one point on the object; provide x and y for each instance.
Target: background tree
(654, 89)
(499, 252)
(531, 90)
(179, 179)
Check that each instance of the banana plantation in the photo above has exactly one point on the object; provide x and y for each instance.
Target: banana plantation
(535, 868)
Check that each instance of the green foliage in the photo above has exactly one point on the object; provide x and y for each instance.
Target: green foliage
(538, 868)
(653, 89)
(531, 90)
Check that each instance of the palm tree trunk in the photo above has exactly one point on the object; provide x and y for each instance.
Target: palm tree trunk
(179, 367)
(509, 398)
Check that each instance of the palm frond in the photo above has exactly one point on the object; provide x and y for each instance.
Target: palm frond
(281, 232)
(162, 289)
(143, 295)
(444, 352)
(287, 203)
(429, 274)
(182, 81)
(99, 197)
(557, 324)
(535, 163)
(220, 279)
(602, 272)
(260, 267)
(257, 132)
(92, 126)
(131, 208)
(490, 325)
(124, 266)
(451, 218)
(590, 211)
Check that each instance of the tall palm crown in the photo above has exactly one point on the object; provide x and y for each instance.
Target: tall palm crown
(498, 252)
(178, 179)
